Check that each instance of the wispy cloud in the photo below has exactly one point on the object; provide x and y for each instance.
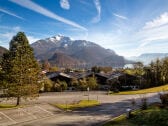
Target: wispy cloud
(152, 39)
(155, 30)
(120, 16)
(65, 4)
(37, 8)
(10, 13)
(159, 21)
(98, 8)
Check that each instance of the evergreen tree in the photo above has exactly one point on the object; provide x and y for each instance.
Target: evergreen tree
(165, 70)
(138, 66)
(158, 76)
(152, 74)
(20, 68)
(1, 79)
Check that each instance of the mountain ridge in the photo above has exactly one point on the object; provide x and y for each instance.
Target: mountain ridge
(84, 51)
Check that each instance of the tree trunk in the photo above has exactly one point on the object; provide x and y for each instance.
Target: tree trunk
(18, 101)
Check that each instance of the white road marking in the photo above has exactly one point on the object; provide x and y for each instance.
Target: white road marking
(8, 117)
(44, 110)
(29, 113)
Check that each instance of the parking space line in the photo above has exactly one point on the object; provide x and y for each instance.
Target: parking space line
(8, 117)
(28, 113)
(45, 110)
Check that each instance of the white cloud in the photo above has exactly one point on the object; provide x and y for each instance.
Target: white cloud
(120, 16)
(151, 39)
(10, 32)
(154, 48)
(37, 8)
(65, 4)
(9, 29)
(17, 28)
(98, 8)
(10, 13)
(153, 35)
(7, 33)
(32, 39)
(159, 21)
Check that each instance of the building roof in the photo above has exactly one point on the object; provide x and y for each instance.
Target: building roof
(115, 75)
(55, 74)
(77, 75)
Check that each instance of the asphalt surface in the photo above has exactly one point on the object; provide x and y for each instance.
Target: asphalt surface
(40, 113)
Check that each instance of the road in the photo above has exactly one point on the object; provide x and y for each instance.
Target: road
(111, 106)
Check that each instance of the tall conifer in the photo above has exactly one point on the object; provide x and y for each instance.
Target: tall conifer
(21, 69)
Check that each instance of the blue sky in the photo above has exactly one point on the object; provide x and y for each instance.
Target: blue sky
(130, 27)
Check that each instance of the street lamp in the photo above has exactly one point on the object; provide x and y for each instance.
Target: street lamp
(88, 92)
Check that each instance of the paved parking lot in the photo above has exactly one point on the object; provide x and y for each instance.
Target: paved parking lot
(25, 114)
(40, 113)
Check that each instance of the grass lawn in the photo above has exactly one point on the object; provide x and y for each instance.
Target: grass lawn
(7, 106)
(132, 71)
(153, 116)
(81, 104)
(144, 91)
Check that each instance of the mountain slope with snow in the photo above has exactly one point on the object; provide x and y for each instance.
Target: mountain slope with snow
(84, 51)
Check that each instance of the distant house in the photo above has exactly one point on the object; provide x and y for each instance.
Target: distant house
(55, 76)
(85, 75)
(122, 81)
(106, 81)
(101, 78)
(102, 81)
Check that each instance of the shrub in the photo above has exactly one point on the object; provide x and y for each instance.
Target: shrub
(143, 103)
(60, 86)
(133, 102)
(56, 87)
(48, 84)
(164, 98)
(154, 117)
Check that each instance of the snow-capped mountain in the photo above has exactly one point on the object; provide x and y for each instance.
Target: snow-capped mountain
(85, 52)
